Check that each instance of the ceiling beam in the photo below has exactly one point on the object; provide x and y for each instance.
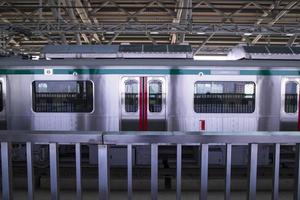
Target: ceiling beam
(287, 8)
(98, 8)
(113, 38)
(151, 38)
(139, 28)
(94, 19)
(84, 18)
(184, 16)
(292, 40)
(203, 44)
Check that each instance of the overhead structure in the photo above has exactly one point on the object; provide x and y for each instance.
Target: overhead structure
(209, 26)
(264, 52)
(117, 51)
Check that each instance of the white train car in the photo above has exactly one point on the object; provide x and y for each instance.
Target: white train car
(120, 89)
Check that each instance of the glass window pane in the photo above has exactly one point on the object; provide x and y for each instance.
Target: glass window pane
(291, 98)
(224, 97)
(62, 96)
(131, 96)
(155, 96)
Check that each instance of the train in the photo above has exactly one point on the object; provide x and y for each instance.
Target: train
(128, 90)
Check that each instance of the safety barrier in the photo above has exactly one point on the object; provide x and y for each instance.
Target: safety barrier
(155, 139)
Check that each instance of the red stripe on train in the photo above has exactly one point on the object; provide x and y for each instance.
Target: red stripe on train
(141, 116)
(145, 105)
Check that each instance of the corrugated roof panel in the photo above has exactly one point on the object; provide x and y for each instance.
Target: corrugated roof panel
(279, 49)
(179, 48)
(131, 48)
(161, 48)
(81, 49)
(116, 51)
(255, 49)
(296, 50)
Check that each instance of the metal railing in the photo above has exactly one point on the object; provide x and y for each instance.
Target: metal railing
(155, 139)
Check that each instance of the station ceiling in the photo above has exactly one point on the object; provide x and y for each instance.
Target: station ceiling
(210, 26)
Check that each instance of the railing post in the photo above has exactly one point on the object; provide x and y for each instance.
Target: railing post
(78, 171)
(297, 173)
(154, 171)
(252, 173)
(54, 171)
(228, 171)
(203, 171)
(276, 168)
(30, 172)
(103, 172)
(178, 171)
(129, 171)
(6, 171)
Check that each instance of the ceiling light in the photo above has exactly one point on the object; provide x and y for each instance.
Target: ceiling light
(247, 34)
(289, 34)
(110, 33)
(210, 57)
(200, 33)
(154, 33)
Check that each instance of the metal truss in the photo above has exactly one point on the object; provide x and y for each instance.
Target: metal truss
(138, 28)
(205, 24)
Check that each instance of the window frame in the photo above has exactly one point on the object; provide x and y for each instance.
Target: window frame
(59, 80)
(138, 95)
(226, 113)
(124, 114)
(162, 95)
(290, 80)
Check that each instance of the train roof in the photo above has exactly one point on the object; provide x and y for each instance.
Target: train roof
(18, 62)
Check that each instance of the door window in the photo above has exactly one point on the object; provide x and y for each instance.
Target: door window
(291, 97)
(131, 96)
(155, 96)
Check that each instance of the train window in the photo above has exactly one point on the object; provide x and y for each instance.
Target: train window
(62, 96)
(131, 96)
(224, 97)
(291, 97)
(1, 97)
(155, 96)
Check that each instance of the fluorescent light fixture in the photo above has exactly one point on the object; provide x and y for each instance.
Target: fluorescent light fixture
(247, 34)
(154, 32)
(210, 58)
(200, 33)
(35, 57)
(110, 32)
(289, 34)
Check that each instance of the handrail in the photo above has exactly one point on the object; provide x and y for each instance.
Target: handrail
(104, 140)
(161, 137)
(149, 137)
(61, 137)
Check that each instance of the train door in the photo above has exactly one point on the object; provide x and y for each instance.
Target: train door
(289, 104)
(143, 104)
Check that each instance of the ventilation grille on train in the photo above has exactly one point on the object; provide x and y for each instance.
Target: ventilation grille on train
(265, 52)
(117, 51)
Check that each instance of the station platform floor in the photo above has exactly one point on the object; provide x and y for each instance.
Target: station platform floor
(145, 195)
(142, 185)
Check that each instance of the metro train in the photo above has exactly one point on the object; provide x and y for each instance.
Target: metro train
(150, 94)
